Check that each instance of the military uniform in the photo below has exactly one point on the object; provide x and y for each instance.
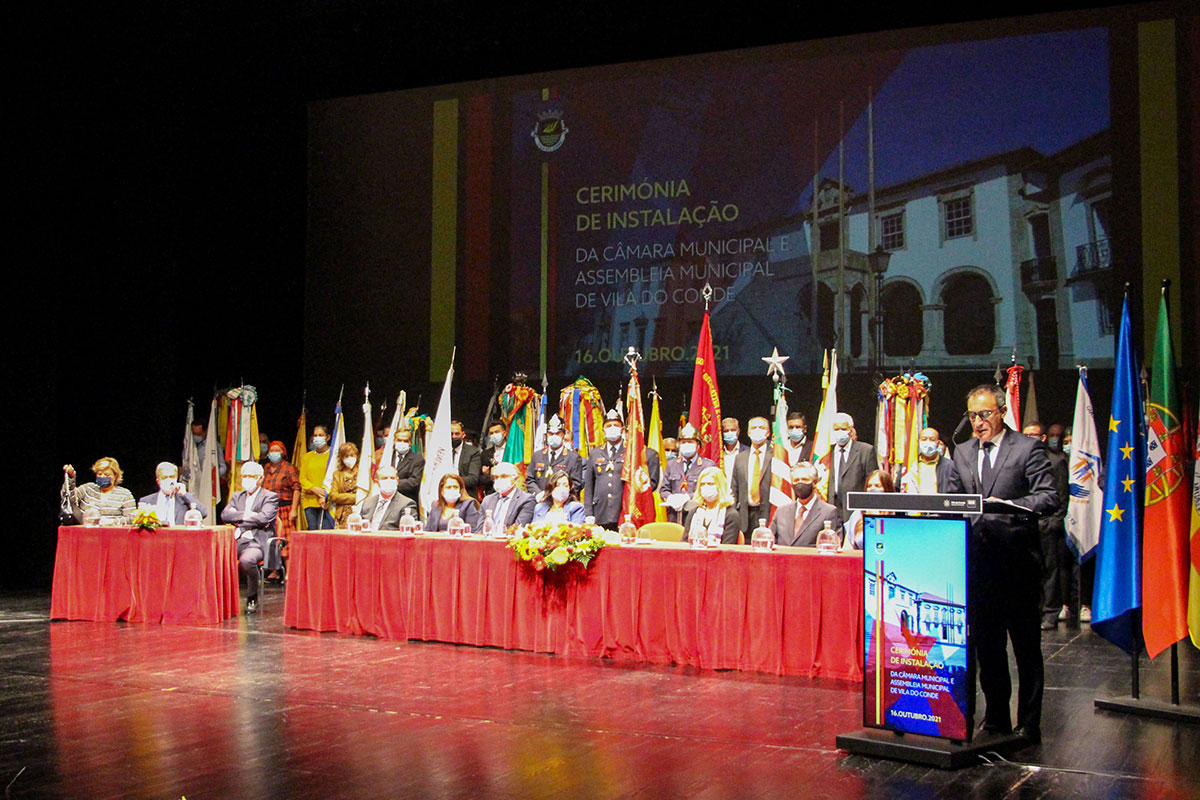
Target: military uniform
(544, 463)
(681, 476)
(603, 489)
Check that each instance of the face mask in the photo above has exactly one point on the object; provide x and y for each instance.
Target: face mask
(612, 434)
(167, 485)
(503, 485)
(387, 487)
(451, 496)
(708, 492)
(318, 442)
(198, 438)
(1054, 443)
(457, 440)
(561, 493)
(796, 435)
(927, 448)
(841, 437)
(275, 457)
(672, 455)
(249, 484)
(378, 441)
(104, 481)
(350, 461)
(554, 442)
(1067, 449)
(403, 447)
(758, 435)
(263, 447)
(803, 490)
(688, 449)
(729, 437)
(496, 439)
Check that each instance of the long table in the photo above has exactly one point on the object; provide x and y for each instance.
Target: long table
(170, 575)
(790, 612)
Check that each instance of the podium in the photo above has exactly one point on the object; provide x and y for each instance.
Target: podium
(918, 660)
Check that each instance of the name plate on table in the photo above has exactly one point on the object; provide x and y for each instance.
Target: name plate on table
(897, 502)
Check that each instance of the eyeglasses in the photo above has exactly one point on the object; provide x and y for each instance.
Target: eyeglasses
(984, 415)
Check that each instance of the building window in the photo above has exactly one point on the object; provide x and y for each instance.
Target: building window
(903, 327)
(891, 231)
(958, 217)
(970, 315)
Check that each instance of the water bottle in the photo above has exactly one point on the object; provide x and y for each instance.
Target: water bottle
(354, 522)
(408, 524)
(452, 522)
(762, 540)
(193, 518)
(698, 538)
(489, 525)
(91, 517)
(827, 539)
(628, 531)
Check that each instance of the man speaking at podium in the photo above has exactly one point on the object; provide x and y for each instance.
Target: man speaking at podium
(1006, 566)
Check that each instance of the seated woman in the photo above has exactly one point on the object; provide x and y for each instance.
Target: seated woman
(452, 494)
(710, 511)
(877, 481)
(343, 487)
(114, 502)
(558, 501)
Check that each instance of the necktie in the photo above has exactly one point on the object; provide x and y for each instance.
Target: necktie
(837, 469)
(801, 513)
(755, 475)
(986, 470)
(380, 510)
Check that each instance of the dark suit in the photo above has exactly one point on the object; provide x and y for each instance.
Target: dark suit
(391, 514)
(748, 515)
(488, 458)
(183, 501)
(467, 509)
(1060, 586)
(820, 512)
(469, 464)
(603, 489)
(803, 453)
(729, 535)
(255, 525)
(409, 469)
(518, 512)
(861, 462)
(542, 465)
(1005, 584)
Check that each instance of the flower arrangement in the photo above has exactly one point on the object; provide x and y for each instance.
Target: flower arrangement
(550, 545)
(146, 519)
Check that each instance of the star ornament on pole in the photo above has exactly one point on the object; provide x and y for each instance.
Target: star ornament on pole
(775, 364)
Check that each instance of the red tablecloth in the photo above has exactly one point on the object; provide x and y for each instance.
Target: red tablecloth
(168, 575)
(787, 613)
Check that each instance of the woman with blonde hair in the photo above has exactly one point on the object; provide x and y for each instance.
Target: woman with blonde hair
(710, 511)
(343, 487)
(114, 502)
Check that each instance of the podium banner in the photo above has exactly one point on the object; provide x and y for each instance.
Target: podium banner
(917, 676)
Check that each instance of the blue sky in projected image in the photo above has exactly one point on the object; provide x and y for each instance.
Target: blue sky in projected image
(927, 564)
(955, 103)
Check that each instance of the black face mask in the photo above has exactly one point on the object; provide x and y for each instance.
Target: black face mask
(803, 490)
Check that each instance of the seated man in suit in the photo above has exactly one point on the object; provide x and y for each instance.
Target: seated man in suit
(253, 511)
(383, 509)
(509, 504)
(798, 523)
(171, 502)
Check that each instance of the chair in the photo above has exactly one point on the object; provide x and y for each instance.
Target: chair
(661, 531)
(262, 564)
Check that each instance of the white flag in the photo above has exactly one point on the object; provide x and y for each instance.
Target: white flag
(439, 451)
(389, 447)
(366, 454)
(208, 483)
(1086, 506)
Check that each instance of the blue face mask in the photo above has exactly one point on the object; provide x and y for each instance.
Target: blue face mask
(318, 442)
(275, 457)
(927, 448)
(103, 481)
(729, 437)
(796, 435)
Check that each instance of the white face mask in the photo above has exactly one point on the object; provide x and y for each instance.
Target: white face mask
(249, 484)
(350, 461)
(688, 449)
(708, 492)
(928, 448)
(387, 487)
(561, 493)
(554, 442)
(403, 447)
(758, 435)
(167, 485)
(841, 437)
(503, 485)
(451, 496)
(612, 434)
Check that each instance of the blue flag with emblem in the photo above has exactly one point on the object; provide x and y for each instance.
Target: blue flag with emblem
(1117, 595)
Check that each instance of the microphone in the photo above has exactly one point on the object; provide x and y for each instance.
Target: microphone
(962, 423)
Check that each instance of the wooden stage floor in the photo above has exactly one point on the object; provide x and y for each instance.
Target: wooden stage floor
(249, 709)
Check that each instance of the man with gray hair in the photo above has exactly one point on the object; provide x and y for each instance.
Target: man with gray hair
(252, 511)
(850, 461)
(171, 501)
(510, 504)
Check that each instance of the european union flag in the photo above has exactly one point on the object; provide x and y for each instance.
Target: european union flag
(1117, 594)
